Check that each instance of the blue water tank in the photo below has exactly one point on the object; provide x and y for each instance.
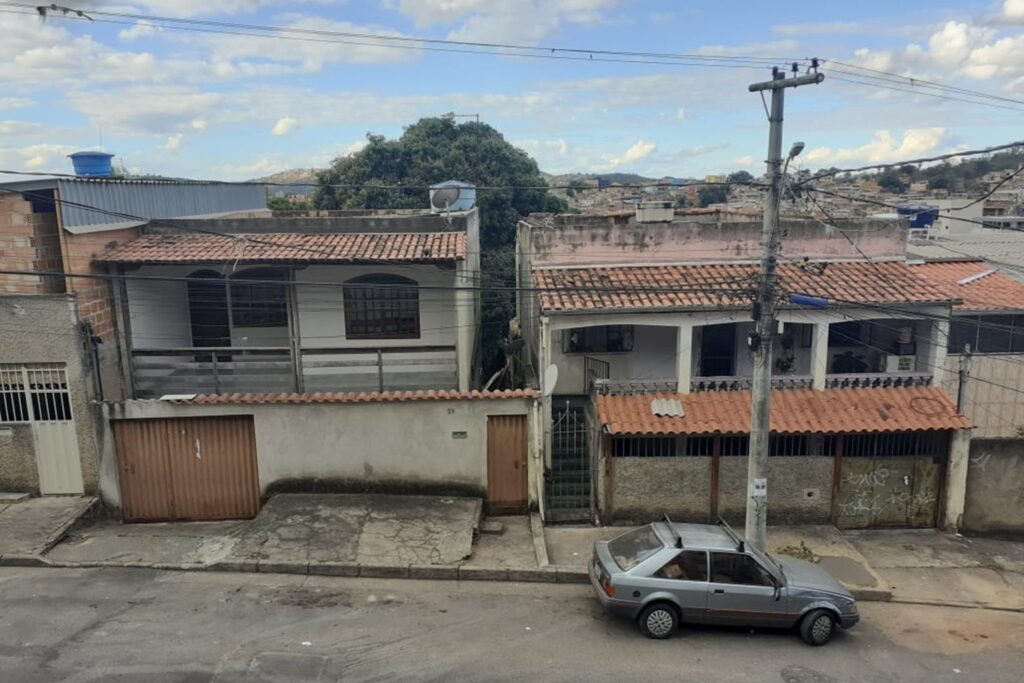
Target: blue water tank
(92, 164)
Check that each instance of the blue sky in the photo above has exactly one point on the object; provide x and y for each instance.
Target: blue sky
(235, 107)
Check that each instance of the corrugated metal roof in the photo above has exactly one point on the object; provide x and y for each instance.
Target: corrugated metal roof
(97, 204)
(1004, 246)
(360, 397)
(408, 247)
(798, 411)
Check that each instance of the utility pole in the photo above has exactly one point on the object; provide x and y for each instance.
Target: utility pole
(760, 342)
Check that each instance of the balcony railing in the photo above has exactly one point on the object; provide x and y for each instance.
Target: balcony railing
(878, 379)
(746, 383)
(627, 387)
(227, 370)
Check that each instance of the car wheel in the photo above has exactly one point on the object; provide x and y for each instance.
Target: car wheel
(817, 627)
(659, 621)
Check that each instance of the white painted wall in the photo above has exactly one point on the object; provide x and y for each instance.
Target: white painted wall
(653, 357)
(158, 309)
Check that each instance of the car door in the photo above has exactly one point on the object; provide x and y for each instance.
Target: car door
(685, 576)
(741, 591)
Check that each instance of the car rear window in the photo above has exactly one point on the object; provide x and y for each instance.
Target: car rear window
(632, 548)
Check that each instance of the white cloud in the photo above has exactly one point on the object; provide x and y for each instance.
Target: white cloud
(35, 157)
(883, 148)
(284, 125)
(681, 114)
(745, 161)
(507, 21)
(173, 142)
(636, 152)
(198, 124)
(1013, 9)
(14, 103)
(141, 29)
(823, 28)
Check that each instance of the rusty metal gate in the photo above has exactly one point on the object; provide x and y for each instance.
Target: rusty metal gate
(890, 480)
(506, 464)
(195, 469)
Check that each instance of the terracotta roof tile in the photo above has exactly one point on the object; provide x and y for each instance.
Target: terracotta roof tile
(801, 411)
(702, 286)
(360, 397)
(277, 248)
(993, 292)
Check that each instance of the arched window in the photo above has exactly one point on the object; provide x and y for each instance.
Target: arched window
(259, 304)
(382, 307)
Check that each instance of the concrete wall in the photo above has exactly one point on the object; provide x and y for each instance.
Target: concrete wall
(995, 411)
(650, 487)
(643, 488)
(995, 487)
(432, 444)
(44, 329)
(572, 240)
(653, 357)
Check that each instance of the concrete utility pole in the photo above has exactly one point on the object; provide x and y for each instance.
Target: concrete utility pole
(760, 341)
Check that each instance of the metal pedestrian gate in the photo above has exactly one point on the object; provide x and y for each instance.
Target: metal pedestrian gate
(195, 469)
(568, 484)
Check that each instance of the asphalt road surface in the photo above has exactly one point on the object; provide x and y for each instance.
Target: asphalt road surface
(88, 626)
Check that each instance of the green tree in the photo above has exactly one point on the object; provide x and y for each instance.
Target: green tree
(740, 177)
(713, 194)
(434, 150)
(682, 202)
(891, 181)
(285, 204)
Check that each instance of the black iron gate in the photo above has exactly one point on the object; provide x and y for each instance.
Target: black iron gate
(568, 483)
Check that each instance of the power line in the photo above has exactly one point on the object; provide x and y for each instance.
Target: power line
(382, 186)
(378, 40)
(884, 85)
(922, 160)
(919, 82)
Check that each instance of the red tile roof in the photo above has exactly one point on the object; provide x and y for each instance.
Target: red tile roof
(703, 286)
(993, 292)
(407, 247)
(360, 397)
(800, 411)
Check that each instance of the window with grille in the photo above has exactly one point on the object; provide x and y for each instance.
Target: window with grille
(34, 393)
(644, 447)
(897, 443)
(260, 304)
(382, 307)
(602, 339)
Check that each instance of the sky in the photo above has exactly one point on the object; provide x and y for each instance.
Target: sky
(232, 107)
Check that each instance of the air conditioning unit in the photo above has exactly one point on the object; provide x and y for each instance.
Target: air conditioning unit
(894, 363)
(452, 195)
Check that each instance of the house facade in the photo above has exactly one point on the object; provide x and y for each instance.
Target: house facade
(659, 311)
(60, 354)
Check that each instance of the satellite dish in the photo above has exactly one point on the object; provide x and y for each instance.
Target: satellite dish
(550, 379)
(444, 197)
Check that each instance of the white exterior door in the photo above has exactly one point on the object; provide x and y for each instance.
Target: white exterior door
(38, 394)
(60, 467)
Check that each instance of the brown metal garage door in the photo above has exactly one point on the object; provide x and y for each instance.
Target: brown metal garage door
(187, 468)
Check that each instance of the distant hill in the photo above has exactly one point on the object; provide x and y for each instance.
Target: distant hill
(300, 181)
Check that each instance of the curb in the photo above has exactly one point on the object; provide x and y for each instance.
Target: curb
(549, 574)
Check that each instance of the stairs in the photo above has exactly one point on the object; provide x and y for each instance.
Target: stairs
(567, 487)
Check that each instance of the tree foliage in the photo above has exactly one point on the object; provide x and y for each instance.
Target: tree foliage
(713, 194)
(740, 177)
(434, 150)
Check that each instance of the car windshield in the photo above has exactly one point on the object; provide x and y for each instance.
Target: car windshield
(768, 561)
(632, 548)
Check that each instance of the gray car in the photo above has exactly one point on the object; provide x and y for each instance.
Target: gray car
(665, 573)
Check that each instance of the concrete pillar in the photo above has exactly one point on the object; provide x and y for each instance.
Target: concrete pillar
(819, 355)
(684, 357)
(935, 352)
(465, 325)
(956, 480)
(545, 391)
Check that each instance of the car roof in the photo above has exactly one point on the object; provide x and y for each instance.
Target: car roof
(702, 536)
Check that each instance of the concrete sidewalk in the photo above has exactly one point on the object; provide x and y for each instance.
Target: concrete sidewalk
(443, 538)
(31, 526)
(913, 566)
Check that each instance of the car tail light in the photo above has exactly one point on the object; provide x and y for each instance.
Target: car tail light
(609, 589)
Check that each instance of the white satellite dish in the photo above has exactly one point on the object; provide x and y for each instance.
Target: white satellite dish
(550, 379)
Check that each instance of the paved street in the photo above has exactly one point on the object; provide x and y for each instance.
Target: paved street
(105, 625)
